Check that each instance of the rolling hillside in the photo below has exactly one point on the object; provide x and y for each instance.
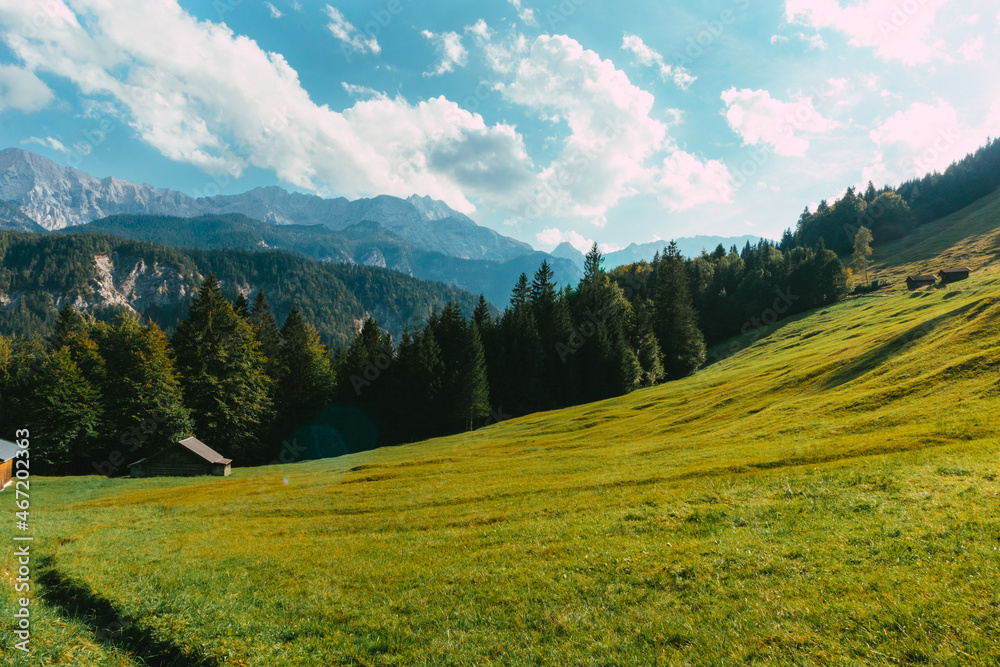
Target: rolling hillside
(827, 494)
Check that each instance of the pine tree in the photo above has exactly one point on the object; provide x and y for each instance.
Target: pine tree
(266, 332)
(592, 264)
(242, 306)
(521, 293)
(64, 411)
(141, 394)
(481, 315)
(307, 384)
(222, 371)
(676, 326)
(473, 393)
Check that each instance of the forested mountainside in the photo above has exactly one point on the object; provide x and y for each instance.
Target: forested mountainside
(366, 243)
(893, 213)
(104, 275)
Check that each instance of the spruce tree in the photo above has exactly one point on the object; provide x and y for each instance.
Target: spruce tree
(307, 385)
(222, 375)
(473, 395)
(676, 325)
(143, 404)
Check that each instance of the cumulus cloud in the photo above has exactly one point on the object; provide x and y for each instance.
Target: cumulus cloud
(612, 134)
(553, 236)
(200, 94)
(763, 120)
(450, 49)
(897, 31)
(972, 49)
(684, 181)
(275, 12)
(925, 138)
(527, 16)
(20, 89)
(652, 58)
(349, 36)
(503, 54)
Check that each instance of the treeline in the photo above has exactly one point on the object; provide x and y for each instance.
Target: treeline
(735, 292)
(100, 395)
(615, 332)
(892, 213)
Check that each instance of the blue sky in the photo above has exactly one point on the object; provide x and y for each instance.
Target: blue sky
(582, 121)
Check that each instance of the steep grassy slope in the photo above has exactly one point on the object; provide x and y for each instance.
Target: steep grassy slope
(828, 495)
(969, 238)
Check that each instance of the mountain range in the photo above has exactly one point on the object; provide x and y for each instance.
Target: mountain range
(416, 236)
(690, 246)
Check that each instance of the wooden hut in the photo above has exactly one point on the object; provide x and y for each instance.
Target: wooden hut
(187, 458)
(921, 280)
(8, 450)
(954, 275)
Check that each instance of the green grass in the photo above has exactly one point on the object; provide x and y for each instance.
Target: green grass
(828, 495)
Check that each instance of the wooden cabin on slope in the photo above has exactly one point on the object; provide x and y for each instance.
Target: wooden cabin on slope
(954, 275)
(8, 450)
(921, 280)
(187, 458)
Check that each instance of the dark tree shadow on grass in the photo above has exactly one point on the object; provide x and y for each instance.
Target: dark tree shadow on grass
(111, 629)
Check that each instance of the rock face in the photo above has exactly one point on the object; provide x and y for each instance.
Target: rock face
(56, 197)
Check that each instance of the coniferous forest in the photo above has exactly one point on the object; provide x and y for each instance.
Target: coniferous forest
(104, 394)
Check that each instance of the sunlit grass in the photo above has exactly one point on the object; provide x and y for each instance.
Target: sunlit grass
(828, 495)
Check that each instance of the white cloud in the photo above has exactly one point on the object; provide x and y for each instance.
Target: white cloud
(20, 89)
(684, 182)
(897, 31)
(501, 55)
(925, 138)
(200, 94)
(784, 126)
(652, 58)
(352, 41)
(553, 236)
(778, 39)
(612, 135)
(527, 16)
(275, 12)
(48, 142)
(449, 47)
(972, 49)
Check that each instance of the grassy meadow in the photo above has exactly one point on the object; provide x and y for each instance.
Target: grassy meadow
(828, 494)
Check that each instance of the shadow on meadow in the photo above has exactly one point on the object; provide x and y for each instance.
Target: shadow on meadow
(72, 599)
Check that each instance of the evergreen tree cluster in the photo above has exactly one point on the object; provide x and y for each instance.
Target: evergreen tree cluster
(892, 213)
(732, 292)
(100, 395)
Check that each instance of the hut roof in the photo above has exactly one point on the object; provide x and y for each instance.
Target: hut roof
(199, 448)
(204, 451)
(8, 450)
(963, 270)
(921, 278)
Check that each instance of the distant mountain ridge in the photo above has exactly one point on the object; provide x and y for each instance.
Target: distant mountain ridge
(56, 197)
(690, 246)
(366, 243)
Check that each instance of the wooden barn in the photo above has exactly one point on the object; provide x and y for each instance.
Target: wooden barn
(918, 281)
(954, 275)
(187, 458)
(8, 450)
